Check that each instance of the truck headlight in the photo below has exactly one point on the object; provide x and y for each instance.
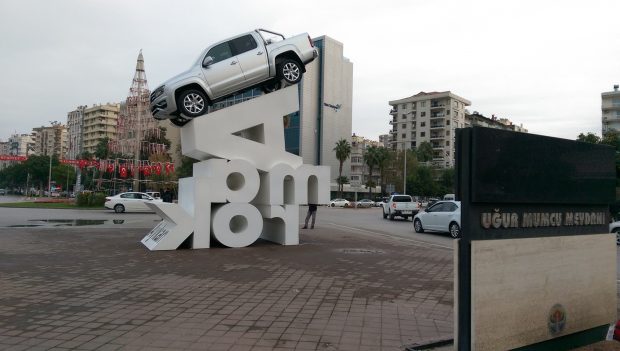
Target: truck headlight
(157, 93)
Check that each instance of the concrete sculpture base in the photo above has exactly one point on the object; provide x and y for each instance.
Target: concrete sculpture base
(246, 186)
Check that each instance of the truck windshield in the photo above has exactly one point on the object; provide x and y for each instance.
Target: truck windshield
(401, 199)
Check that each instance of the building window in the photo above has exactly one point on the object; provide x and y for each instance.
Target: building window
(422, 134)
(422, 103)
(413, 144)
(403, 135)
(422, 114)
(413, 114)
(447, 142)
(447, 133)
(403, 116)
(402, 106)
(448, 113)
(422, 124)
(404, 125)
(448, 122)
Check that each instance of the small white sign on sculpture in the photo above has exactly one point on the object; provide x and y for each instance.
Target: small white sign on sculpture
(246, 186)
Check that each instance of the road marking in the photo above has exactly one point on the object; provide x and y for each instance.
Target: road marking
(416, 242)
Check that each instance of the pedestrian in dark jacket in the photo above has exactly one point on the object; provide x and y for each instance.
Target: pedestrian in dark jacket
(167, 195)
(311, 212)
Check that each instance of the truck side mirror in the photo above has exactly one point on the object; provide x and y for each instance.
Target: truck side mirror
(207, 61)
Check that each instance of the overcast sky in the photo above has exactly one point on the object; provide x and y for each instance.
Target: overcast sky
(540, 63)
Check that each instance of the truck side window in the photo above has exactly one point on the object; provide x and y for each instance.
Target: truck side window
(220, 52)
(243, 44)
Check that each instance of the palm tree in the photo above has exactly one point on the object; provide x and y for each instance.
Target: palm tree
(371, 159)
(343, 151)
(383, 159)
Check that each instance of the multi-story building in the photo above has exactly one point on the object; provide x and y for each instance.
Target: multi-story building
(611, 110)
(477, 119)
(431, 117)
(99, 122)
(385, 140)
(75, 124)
(50, 140)
(17, 145)
(359, 169)
(326, 95)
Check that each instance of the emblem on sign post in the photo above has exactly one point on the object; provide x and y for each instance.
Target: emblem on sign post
(557, 319)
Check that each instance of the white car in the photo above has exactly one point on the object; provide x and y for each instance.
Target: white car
(615, 228)
(129, 202)
(442, 216)
(365, 203)
(339, 203)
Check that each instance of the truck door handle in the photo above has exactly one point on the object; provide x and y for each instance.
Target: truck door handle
(233, 63)
(259, 53)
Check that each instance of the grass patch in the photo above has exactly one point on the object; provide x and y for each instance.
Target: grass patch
(58, 205)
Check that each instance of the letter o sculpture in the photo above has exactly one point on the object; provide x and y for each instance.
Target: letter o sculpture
(237, 224)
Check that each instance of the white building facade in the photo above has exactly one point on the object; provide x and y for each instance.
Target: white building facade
(610, 106)
(428, 117)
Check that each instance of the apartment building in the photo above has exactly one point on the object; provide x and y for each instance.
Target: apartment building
(75, 125)
(359, 170)
(431, 117)
(99, 122)
(610, 106)
(51, 140)
(477, 119)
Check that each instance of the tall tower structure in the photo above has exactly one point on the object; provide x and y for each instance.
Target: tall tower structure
(136, 127)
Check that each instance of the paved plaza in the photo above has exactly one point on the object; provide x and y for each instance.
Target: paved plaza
(100, 289)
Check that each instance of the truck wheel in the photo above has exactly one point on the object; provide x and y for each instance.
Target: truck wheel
(290, 71)
(192, 103)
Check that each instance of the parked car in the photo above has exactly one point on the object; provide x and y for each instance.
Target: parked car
(129, 202)
(231, 66)
(154, 194)
(2, 192)
(400, 206)
(339, 203)
(615, 228)
(365, 203)
(443, 216)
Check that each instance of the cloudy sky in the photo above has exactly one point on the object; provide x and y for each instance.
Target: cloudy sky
(540, 63)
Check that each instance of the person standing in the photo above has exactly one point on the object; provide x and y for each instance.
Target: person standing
(311, 212)
(167, 195)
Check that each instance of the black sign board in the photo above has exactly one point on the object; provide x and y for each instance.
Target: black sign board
(517, 185)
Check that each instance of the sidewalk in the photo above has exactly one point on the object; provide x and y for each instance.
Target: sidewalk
(93, 289)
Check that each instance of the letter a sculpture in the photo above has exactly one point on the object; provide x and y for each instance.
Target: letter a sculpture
(246, 185)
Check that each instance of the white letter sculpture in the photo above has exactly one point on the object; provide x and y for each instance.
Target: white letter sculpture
(246, 186)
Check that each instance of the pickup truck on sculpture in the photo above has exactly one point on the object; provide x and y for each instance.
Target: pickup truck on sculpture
(230, 66)
(401, 206)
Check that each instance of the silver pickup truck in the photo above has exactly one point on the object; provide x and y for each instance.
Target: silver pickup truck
(230, 66)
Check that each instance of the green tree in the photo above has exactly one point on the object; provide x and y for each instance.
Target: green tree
(371, 159)
(384, 156)
(343, 151)
(424, 152)
(101, 150)
(422, 181)
(187, 167)
(589, 138)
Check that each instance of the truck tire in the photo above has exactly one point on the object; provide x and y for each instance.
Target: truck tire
(192, 103)
(290, 70)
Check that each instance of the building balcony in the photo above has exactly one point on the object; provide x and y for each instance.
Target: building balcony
(437, 115)
(393, 111)
(437, 126)
(437, 137)
(611, 107)
(391, 122)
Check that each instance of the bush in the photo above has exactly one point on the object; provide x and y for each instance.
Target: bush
(90, 199)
